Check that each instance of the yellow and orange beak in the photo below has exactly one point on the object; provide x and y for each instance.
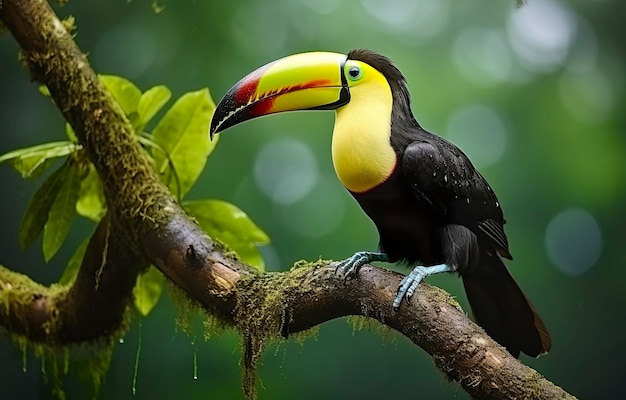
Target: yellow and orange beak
(306, 81)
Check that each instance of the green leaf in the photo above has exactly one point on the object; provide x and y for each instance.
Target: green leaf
(70, 133)
(148, 290)
(124, 91)
(183, 133)
(43, 89)
(61, 212)
(71, 269)
(31, 162)
(226, 222)
(32, 167)
(38, 208)
(91, 203)
(135, 121)
(52, 149)
(151, 102)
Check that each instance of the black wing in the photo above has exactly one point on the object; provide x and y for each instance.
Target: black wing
(441, 174)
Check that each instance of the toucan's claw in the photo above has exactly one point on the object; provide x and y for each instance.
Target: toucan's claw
(349, 267)
(409, 283)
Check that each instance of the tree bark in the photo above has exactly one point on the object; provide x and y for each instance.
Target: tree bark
(146, 225)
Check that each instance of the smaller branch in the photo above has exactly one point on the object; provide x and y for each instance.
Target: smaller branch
(62, 315)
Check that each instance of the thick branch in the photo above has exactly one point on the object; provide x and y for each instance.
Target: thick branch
(432, 319)
(147, 222)
(299, 299)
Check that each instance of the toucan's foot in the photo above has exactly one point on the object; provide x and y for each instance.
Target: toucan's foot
(409, 283)
(350, 266)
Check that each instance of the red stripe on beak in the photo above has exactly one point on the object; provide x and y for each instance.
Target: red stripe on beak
(264, 105)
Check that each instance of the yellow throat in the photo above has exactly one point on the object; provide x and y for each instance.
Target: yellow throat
(362, 154)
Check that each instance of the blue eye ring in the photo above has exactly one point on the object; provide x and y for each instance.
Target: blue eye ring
(354, 73)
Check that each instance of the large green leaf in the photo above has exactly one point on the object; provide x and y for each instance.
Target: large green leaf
(228, 223)
(125, 92)
(61, 212)
(31, 162)
(152, 100)
(71, 269)
(183, 134)
(148, 290)
(38, 208)
(91, 203)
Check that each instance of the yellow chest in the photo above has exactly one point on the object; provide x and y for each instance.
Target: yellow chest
(362, 154)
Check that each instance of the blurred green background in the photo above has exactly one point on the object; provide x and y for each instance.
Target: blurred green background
(534, 96)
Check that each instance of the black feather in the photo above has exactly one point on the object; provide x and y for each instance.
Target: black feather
(437, 208)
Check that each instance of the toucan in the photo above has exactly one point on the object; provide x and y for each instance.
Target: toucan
(432, 208)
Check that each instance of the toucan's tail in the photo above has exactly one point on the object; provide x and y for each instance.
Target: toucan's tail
(504, 312)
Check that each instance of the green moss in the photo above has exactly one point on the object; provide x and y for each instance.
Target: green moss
(190, 313)
(443, 296)
(303, 336)
(226, 251)
(311, 264)
(90, 360)
(99, 361)
(186, 308)
(17, 292)
(359, 323)
(262, 313)
(69, 23)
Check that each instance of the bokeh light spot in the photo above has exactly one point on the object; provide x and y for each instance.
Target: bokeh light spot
(541, 34)
(393, 12)
(573, 241)
(422, 18)
(285, 170)
(480, 132)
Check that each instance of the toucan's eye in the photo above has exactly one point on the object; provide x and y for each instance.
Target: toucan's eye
(354, 73)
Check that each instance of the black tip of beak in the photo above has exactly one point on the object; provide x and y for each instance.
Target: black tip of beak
(218, 116)
(217, 121)
(230, 112)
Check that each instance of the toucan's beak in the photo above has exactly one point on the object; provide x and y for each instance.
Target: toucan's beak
(306, 81)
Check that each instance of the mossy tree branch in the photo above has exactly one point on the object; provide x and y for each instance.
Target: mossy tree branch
(146, 225)
(92, 307)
